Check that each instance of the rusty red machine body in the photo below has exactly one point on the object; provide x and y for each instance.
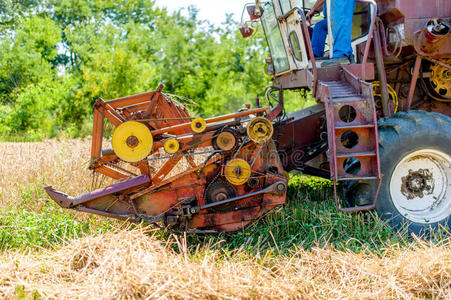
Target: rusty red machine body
(184, 189)
(189, 174)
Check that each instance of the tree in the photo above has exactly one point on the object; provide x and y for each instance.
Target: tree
(58, 57)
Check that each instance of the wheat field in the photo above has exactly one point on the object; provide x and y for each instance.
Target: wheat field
(129, 263)
(132, 264)
(62, 164)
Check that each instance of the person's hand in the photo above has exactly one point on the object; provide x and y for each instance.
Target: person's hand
(310, 15)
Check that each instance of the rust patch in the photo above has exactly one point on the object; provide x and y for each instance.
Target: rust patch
(417, 184)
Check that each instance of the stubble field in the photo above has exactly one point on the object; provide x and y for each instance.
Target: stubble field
(303, 250)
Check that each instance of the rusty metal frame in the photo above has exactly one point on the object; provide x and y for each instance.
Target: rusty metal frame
(118, 111)
(413, 84)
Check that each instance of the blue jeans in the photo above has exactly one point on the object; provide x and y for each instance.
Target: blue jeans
(319, 38)
(341, 14)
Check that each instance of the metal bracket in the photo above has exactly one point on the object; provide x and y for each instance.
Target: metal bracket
(277, 188)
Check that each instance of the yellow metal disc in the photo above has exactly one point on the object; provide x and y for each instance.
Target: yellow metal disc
(171, 146)
(377, 94)
(198, 125)
(260, 130)
(132, 141)
(237, 171)
(441, 79)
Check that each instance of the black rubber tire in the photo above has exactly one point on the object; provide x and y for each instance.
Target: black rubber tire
(399, 135)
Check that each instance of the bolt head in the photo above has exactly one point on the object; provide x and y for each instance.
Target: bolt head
(280, 187)
(132, 141)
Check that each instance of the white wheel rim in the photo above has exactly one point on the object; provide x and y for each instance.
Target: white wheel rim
(420, 186)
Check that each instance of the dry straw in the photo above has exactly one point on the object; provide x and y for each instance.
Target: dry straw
(130, 264)
(133, 264)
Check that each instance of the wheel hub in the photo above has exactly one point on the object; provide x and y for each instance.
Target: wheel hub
(420, 186)
(219, 191)
(260, 130)
(237, 171)
(220, 196)
(417, 184)
(132, 141)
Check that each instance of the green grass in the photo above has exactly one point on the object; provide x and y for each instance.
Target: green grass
(37, 222)
(29, 229)
(308, 219)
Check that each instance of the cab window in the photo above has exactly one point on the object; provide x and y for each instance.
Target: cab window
(361, 20)
(285, 5)
(274, 38)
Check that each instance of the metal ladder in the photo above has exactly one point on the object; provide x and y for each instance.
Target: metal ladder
(352, 133)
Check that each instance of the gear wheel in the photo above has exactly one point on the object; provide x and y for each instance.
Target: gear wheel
(438, 85)
(441, 79)
(218, 191)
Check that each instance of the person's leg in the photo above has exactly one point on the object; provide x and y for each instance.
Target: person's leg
(341, 14)
(319, 38)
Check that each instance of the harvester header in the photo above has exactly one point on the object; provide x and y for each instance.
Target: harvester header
(380, 131)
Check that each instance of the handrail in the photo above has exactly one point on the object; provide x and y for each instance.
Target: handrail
(309, 49)
(373, 6)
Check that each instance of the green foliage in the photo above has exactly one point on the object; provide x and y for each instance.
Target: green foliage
(12, 9)
(58, 57)
(26, 57)
(296, 100)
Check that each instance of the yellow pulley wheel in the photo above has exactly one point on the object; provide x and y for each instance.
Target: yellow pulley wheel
(171, 146)
(392, 93)
(132, 141)
(198, 125)
(441, 79)
(260, 130)
(237, 171)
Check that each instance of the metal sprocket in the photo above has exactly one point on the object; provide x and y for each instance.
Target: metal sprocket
(218, 191)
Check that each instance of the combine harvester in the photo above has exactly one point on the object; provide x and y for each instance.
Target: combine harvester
(381, 129)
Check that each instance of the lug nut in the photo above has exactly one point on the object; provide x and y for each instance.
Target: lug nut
(280, 187)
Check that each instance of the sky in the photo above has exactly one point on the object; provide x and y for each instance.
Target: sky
(211, 10)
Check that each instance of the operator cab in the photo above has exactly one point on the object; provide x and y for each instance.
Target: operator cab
(288, 33)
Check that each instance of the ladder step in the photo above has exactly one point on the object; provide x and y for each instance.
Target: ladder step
(341, 178)
(347, 97)
(355, 154)
(355, 126)
(335, 83)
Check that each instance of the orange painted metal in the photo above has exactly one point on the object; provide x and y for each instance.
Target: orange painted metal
(110, 172)
(211, 120)
(97, 134)
(172, 188)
